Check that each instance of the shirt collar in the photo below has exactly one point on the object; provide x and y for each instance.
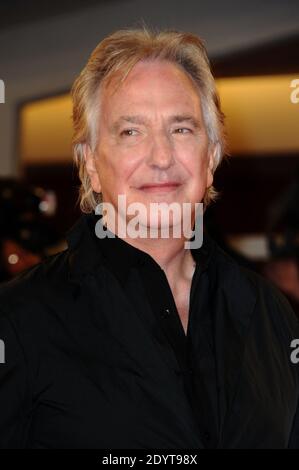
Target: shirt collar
(87, 251)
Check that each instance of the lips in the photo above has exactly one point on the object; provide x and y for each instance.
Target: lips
(167, 186)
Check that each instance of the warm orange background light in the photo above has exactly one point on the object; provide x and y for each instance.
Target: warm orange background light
(46, 130)
(260, 117)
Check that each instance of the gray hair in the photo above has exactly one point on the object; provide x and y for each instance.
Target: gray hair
(115, 56)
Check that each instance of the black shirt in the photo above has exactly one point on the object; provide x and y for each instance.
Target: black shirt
(194, 350)
(96, 355)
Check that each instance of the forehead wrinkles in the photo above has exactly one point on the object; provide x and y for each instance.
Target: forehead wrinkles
(149, 110)
(153, 91)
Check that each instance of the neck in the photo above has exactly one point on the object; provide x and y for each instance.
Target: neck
(169, 253)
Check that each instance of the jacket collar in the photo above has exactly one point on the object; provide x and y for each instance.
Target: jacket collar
(87, 251)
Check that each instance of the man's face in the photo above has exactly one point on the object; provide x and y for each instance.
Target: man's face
(153, 145)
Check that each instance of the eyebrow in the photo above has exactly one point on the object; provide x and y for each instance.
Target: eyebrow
(177, 118)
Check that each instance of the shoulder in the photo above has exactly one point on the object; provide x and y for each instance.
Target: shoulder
(269, 303)
(33, 288)
(32, 306)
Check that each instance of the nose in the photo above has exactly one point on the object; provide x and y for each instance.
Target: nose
(161, 152)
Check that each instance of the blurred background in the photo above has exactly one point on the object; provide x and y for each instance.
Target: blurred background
(254, 51)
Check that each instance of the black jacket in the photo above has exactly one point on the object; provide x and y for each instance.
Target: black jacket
(86, 365)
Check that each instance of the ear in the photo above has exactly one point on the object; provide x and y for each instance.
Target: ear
(211, 159)
(91, 169)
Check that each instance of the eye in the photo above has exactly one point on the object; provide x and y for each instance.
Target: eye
(182, 130)
(128, 132)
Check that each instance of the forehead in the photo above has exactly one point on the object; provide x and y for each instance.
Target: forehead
(152, 83)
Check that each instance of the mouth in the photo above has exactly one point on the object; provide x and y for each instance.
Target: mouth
(159, 187)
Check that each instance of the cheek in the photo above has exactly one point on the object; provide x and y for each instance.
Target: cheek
(115, 169)
(128, 162)
(194, 157)
(107, 166)
(195, 162)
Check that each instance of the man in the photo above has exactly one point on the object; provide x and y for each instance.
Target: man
(137, 341)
